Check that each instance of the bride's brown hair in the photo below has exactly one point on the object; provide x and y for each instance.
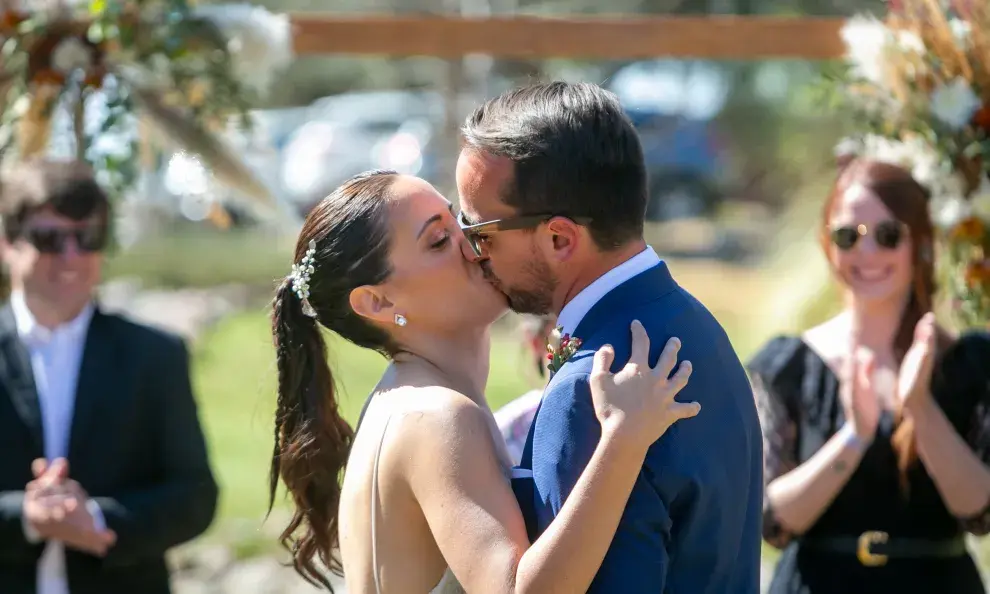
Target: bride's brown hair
(312, 439)
(907, 200)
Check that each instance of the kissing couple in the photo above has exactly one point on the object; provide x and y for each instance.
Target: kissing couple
(618, 489)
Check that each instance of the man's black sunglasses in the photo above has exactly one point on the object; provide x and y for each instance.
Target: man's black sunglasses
(476, 233)
(53, 240)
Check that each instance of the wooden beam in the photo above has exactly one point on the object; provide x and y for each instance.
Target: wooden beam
(716, 37)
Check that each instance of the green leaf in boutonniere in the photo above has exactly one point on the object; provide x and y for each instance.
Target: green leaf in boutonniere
(560, 347)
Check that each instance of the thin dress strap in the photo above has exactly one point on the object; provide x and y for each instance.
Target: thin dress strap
(374, 509)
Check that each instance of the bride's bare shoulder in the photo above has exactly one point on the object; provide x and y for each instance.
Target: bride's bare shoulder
(439, 434)
(436, 413)
(432, 400)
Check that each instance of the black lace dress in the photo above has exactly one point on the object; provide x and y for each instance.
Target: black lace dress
(800, 410)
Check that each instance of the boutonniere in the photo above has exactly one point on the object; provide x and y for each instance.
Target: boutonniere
(560, 348)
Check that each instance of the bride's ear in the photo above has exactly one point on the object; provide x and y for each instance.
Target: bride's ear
(371, 303)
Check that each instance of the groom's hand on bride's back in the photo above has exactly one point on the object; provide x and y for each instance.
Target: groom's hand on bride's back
(637, 403)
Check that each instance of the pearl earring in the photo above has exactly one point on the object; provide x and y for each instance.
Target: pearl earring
(400, 320)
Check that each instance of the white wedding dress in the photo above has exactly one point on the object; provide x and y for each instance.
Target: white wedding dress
(448, 583)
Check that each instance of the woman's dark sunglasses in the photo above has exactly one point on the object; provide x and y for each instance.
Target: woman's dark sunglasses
(53, 240)
(475, 233)
(887, 234)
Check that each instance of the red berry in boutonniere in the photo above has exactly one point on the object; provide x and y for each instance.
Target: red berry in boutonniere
(560, 347)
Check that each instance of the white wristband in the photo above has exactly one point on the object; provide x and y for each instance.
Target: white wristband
(851, 439)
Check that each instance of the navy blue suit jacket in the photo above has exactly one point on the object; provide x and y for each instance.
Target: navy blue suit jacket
(692, 523)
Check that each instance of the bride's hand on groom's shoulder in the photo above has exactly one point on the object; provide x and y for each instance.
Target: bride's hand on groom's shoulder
(637, 403)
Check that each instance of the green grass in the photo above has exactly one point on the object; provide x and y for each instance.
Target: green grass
(234, 375)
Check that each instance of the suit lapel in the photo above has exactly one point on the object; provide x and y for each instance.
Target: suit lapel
(17, 376)
(99, 376)
(646, 286)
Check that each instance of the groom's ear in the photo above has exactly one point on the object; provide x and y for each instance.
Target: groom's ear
(370, 302)
(565, 237)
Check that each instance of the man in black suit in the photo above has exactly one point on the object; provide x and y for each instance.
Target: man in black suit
(104, 465)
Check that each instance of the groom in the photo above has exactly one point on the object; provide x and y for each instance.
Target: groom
(553, 192)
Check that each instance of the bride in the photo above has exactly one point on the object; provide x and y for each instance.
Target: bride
(427, 494)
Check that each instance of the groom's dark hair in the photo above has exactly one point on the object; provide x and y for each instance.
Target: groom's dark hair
(574, 151)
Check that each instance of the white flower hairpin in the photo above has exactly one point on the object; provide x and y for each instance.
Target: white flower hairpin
(300, 278)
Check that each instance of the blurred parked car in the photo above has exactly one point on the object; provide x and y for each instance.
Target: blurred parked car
(673, 104)
(353, 132)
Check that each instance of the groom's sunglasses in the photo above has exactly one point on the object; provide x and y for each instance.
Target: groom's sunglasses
(887, 234)
(478, 232)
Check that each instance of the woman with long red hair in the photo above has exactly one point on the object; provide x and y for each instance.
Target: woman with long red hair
(876, 423)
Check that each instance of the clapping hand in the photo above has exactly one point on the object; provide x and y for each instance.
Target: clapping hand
(55, 507)
(859, 399)
(915, 376)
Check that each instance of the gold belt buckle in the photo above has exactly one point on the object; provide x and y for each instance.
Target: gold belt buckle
(866, 541)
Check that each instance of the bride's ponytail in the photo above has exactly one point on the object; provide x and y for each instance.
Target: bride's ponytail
(312, 440)
(343, 245)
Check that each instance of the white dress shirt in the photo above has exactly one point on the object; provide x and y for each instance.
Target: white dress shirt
(56, 356)
(578, 307)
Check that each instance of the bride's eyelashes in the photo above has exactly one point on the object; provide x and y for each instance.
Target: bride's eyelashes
(442, 242)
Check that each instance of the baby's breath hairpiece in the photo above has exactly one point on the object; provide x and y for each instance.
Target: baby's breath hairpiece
(300, 278)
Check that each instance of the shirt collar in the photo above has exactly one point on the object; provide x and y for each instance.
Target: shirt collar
(34, 333)
(575, 310)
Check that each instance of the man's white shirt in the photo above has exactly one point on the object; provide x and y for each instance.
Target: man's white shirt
(56, 357)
